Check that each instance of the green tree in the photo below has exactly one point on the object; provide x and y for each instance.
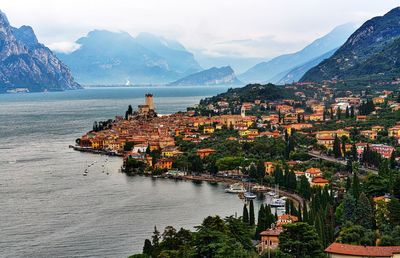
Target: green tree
(356, 188)
(364, 214)
(356, 235)
(349, 205)
(155, 242)
(148, 248)
(394, 211)
(260, 221)
(300, 240)
(245, 216)
(251, 217)
(348, 184)
(339, 113)
(304, 187)
(337, 152)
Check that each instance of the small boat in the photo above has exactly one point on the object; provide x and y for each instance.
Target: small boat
(278, 202)
(271, 193)
(259, 188)
(235, 188)
(249, 195)
(85, 173)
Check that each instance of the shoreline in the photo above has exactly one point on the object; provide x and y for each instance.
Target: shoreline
(213, 179)
(204, 178)
(90, 150)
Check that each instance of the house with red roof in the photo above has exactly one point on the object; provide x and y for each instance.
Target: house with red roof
(338, 250)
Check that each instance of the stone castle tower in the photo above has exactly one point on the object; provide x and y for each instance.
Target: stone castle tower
(149, 101)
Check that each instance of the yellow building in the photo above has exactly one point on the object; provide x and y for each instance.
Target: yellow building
(319, 181)
(394, 131)
(370, 134)
(269, 167)
(208, 129)
(378, 100)
(164, 163)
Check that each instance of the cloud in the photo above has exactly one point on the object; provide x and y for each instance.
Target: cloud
(245, 28)
(64, 47)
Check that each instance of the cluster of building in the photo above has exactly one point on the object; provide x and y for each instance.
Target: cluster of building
(147, 131)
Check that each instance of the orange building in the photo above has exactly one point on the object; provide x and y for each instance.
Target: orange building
(269, 239)
(319, 181)
(163, 163)
(205, 152)
(269, 167)
(286, 219)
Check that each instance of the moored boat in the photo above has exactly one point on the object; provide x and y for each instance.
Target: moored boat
(235, 188)
(278, 202)
(249, 195)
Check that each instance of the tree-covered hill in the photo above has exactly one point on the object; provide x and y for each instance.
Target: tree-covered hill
(370, 52)
(250, 93)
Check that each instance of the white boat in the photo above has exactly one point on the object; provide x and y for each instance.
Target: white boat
(235, 188)
(271, 193)
(259, 188)
(278, 202)
(249, 195)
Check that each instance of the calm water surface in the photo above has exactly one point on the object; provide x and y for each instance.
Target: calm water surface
(48, 209)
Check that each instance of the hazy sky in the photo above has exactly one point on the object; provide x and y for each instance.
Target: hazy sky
(239, 28)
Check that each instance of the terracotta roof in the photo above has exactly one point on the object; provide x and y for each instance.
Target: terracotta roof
(313, 171)
(364, 251)
(320, 180)
(288, 217)
(271, 232)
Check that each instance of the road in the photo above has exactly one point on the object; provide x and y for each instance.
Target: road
(343, 162)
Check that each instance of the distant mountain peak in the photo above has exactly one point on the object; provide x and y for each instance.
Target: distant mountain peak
(275, 69)
(370, 52)
(212, 76)
(3, 19)
(107, 57)
(26, 35)
(25, 63)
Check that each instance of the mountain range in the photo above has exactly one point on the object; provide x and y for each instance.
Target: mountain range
(25, 63)
(106, 57)
(371, 52)
(290, 67)
(213, 76)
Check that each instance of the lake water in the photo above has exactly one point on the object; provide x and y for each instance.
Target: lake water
(48, 209)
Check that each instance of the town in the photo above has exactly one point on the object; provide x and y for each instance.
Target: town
(330, 151)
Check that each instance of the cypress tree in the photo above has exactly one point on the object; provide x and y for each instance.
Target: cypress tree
(245, 216)
(339, 113)
(394, 211)
(336, 147)
(347, 112)
(349, 205)
(356, 186)
(364, 214)
(148, 248)
(252, 218)
(354, 154)
(393, 160)
(352, 111)
(305, 212)
(260, 221)
(348, 184)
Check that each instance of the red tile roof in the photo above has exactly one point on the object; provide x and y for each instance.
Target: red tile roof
(271, 232)
(364, 251)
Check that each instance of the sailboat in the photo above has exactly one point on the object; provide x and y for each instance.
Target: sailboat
(249, 195)
(276, 201)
